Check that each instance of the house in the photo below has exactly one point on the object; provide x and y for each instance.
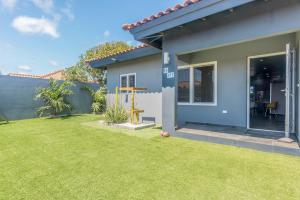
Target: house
(218, 62)
(57, 75)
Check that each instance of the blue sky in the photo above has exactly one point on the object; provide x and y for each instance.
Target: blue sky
(41, 36)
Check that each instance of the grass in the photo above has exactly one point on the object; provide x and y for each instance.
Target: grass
(72, 158)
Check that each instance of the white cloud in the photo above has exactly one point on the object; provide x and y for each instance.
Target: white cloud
(24, 67)
(106, 33)
(32, 25)
(53, 63)
(26, 24)
(67, 11)
(47, 6)
(10, 4)
(44, 5)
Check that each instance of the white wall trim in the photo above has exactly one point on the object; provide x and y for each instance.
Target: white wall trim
(196, 104)
(127, 79)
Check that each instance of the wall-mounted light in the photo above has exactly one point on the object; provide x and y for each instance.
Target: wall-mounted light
(166, 58)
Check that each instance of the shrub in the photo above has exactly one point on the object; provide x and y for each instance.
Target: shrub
(99, 99)
(54, 98)
(3, 119)
(115, 115)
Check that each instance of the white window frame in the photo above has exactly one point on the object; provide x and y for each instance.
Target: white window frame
(191, 67)
(127, 79)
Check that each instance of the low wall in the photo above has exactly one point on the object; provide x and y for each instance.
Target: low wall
(150, 102)
(17, 97)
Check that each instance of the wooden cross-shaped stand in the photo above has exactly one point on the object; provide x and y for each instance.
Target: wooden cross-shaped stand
(134, 112)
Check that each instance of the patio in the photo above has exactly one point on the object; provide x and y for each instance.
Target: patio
(229, 135)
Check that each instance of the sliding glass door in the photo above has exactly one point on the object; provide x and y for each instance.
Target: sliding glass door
(271, 91)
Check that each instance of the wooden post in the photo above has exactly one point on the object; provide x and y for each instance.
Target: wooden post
(134, 113)
(132, 106)
(117, 99)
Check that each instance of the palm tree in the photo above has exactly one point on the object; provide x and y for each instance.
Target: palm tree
(54, 98)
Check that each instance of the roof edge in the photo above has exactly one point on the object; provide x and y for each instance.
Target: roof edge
(117, 53)
(167, 11)
(131, 54)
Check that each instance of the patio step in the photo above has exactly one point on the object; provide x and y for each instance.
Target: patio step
(262, 144)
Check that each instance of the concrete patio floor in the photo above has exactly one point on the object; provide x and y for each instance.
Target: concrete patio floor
(259, 140)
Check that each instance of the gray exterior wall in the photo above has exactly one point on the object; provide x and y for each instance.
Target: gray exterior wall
(148, 75)
(298, 89)
(232, 81)
(258, 20)
(17, 97)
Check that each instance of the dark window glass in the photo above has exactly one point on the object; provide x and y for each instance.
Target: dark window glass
(132, 81)
(123, 81)
(184, 85)
(204, 84)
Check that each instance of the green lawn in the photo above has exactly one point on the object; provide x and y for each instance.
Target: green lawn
(72, 158)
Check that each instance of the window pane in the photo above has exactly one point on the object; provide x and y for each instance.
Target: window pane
(184, 85)
(132, 81)
(204, 84)
(123, 81)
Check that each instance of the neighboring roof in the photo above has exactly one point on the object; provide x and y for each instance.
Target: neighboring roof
(186, 3)
(45, 76)
(53, 74)
(129, 54)
(24, 75)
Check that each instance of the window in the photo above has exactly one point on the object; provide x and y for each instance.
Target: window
(131, 80)
(128, 80)
(184, 85)
(197, 84)
(123, 81)
(204, 84)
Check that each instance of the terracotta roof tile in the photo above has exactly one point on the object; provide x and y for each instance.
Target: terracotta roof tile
(118, 53)
(51, 74)
(34, 76)
(24, 75)
(186, 3)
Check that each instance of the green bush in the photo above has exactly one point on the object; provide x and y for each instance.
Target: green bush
(99, 99)
(99, 104)
(3, 120)
(54, 98)
(115, 115)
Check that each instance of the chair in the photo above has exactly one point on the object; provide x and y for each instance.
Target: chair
(272, 106)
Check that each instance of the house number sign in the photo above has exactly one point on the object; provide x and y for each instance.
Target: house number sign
(166, 70)
(169, 74)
